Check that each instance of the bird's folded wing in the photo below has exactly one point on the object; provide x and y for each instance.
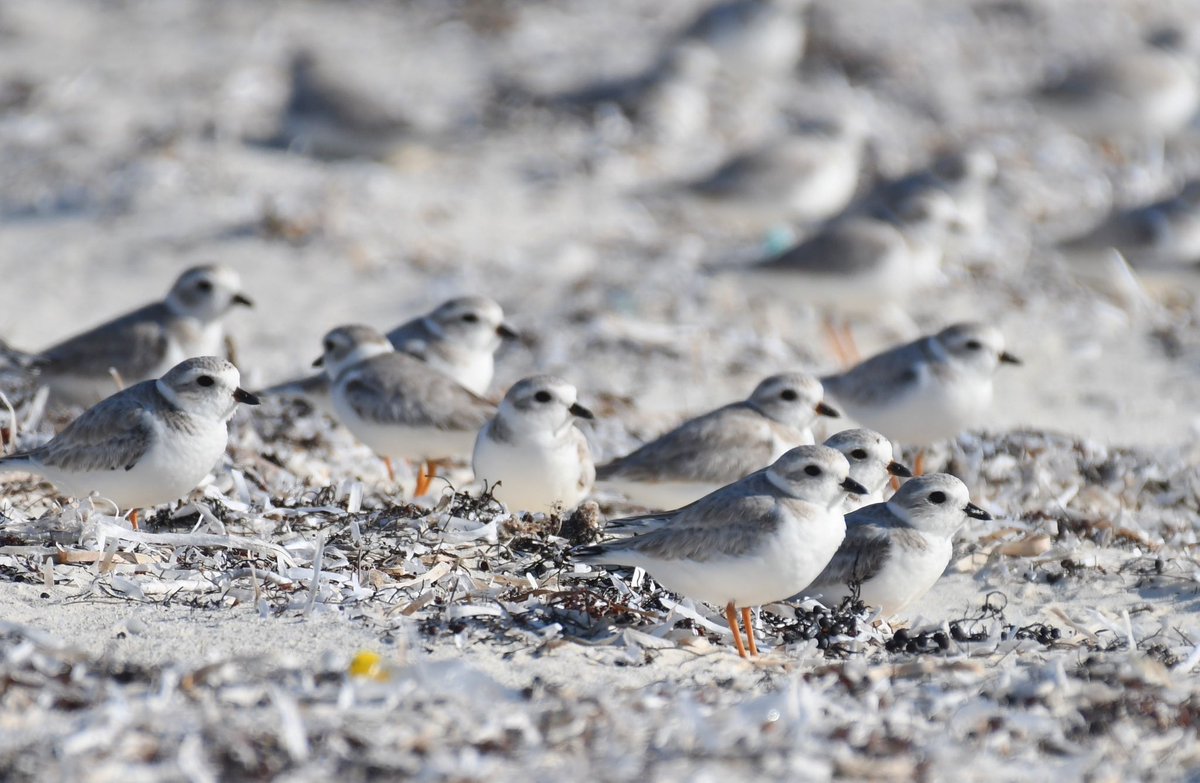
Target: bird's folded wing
(112, 435)
(403, 391)
(135, 344)
(718, 447)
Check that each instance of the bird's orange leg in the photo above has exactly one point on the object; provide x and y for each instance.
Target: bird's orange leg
(387, 463)
(849, 345)
(133, 519)
(731, 618)
(746, 621)
(425, 475)
(834, 339)
(919, 464)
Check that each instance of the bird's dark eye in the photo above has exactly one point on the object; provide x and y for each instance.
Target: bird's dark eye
(974, 345)
(859, 454)
(789, 395)
(937, 497)
(812, 470)
(204, 286)
(471, 318)
(205, 380)
(542, 396)
(329, 346)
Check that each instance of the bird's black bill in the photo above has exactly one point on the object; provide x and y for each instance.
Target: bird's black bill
(1008, 358)
(853, 487)
(580, 411)
(319, 361)
(896, 469)
(507, 332)
(973, 510)
(242, 299)
(825, 409)
(243, 396)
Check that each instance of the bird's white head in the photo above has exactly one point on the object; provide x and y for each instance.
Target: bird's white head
(346, 346)
(869, 455)
(976, 346)
(937, 504)
(792, 398)
(474, 322)
(817, 474)
(542, 404)
(206, 293)
(205, 386)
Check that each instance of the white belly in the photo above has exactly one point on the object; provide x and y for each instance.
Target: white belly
(901, 582)
(170, 469)
(532, 477)
(786, 562)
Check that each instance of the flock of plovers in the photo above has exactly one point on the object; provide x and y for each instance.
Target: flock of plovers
(745, 507)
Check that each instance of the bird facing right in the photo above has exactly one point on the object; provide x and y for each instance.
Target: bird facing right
(145, 445)
(928, 390)
(756, 541)
(721, 446)
(896, 551)
(398, 405)
(459, 337)
(146, 342)
(871, 463)
(532, 453)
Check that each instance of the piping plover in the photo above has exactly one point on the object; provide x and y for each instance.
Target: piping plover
(754, 37)
(964, 176)
(147, 342)
(459, 338)
(927, 390)
(669, 98)
(1151, 91)
(758, 540)
(396, 404)
(807, 176)
(896, 550)
(871, 463)
(532, 452)
(1164, 233)
(148, 444)
(860, 266)
(330, 118)
(721, 446)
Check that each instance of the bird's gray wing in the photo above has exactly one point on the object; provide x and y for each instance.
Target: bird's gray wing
(730, 179)
(862, 554)
(882, 377)
(704, 530)
(111, 435)
(135, 344)
(398, 389)
(720, 446)
(412, 337)
(845, 249)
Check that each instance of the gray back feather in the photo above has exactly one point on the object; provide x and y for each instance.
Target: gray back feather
(394, 388)
(886, 376)
(135, 344)
(720, 446)
(727, 523)
(843, 248)
(111, 435)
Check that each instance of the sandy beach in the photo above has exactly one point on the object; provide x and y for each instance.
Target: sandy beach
(298, 618)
